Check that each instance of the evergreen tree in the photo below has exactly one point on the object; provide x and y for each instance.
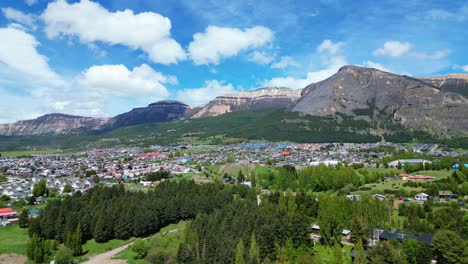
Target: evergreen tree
(240, 177)
(23, 219)
(240, 253)
(359, 254)
(254, 252)
(358, 230)
(337, 254)
(35, 249)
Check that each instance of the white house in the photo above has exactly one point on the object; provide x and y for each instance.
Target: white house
(421, 196)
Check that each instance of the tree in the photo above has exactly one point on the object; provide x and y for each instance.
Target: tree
(358, 230)
(139, 247)
(64, 256)
(359, 254)
(240, 177)
(23, 219)
(254, 252)
(331, 219)
(68, 189)
(337, 254)
(410, 248)
(35, 249)
(448, 247)
(40, 188)
(240, 253)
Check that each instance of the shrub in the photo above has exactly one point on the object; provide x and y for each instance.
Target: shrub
(140, 247)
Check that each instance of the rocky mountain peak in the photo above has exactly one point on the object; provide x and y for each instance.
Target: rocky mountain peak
(262, 98)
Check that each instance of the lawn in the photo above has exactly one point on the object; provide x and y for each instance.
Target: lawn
(30, 152)
(13, 240)
(165, 242)
(326, 253)
(438, 174)
(92, 247)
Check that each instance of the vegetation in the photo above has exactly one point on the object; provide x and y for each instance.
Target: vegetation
(273, 125)
(13, 240)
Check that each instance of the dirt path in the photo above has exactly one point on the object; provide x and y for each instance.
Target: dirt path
(106, 257)
(12, 258)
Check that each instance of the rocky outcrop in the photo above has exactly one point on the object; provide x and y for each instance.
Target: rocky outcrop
(357, 91)
(52, 124)
(263, 98)
(162, 111)
(455, 83)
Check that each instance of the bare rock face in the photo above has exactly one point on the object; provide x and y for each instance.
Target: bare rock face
(263, 98)
(355, 91)
(162, 111)
(455, 83)
(52, 124)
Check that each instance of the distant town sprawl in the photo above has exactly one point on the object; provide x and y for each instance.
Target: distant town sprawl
(82, 170)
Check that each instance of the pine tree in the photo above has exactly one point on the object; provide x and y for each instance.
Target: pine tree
(23, 219)
(240, 253)
(359, 254)
(337, 254)
(254, 252)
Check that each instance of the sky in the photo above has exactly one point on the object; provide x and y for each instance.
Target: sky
(102, 58)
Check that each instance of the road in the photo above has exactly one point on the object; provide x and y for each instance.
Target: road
(106, 257)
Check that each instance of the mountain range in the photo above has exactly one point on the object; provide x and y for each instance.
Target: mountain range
(437, 105)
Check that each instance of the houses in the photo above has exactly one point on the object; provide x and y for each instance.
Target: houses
(380, 196)
(425, 238)
(422, 197)
(8, 215)
(409, 161)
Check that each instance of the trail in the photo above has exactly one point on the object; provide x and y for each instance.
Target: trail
(106, 257)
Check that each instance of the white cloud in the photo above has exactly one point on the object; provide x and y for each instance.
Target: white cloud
(440, 54)
(212, 88)
(285, 62)
(91, 22)
(330, 47)
(460, 14)
(461, 67)
(332, 60)
(20, 17)
(216, 43)
(261, 57)
(393, 49)
(31, 2)
(376, 65)
(18, 52)
(117, 80)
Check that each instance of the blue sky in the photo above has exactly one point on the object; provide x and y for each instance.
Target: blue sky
(101, 58)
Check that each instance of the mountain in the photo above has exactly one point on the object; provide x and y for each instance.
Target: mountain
(357, 91)
(52, 124)
(455, 83)
(162, 111)
(263, 98)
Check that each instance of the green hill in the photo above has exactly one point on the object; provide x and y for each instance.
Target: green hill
(272, 125)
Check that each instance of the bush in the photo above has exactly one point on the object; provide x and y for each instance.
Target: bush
(140, 247)
(64, 256)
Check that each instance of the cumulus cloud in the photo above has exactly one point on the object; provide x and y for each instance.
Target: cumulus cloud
(18, 52)
(461, 67)
(330, 46)
(216, 43)
(393, 49)
(91, 22)
(20, 17)
(332, 59)
(117, 80)
(375, 65)
(202, 95)
(285, 62)
(261, 57)
(397, 49)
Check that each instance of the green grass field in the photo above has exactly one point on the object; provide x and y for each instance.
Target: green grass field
(13, 240)
(165, 242)
(30, 152)
(439, 174)
(92, 247)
